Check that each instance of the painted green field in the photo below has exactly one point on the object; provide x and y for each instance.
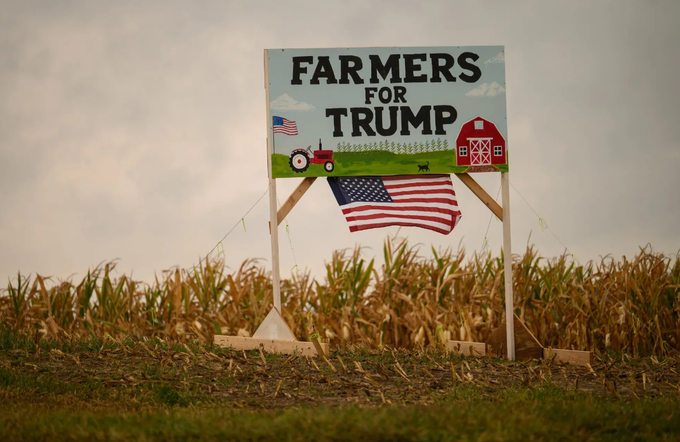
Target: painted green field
(374, 163)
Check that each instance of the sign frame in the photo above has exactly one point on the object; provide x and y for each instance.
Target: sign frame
(272, 330)
(434, 98)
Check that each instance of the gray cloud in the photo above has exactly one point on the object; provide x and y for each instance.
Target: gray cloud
(137, 131)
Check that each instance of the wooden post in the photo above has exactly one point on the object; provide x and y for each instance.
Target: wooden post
(276, 277)
(507, 252)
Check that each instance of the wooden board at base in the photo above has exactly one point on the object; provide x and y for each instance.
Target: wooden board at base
(575, 357)
(270, 345)
(467, 348)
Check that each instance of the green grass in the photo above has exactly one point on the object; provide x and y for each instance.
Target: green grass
(373, 163)
(539, 414)
(41, 383)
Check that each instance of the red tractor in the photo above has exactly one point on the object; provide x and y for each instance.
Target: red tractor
(300, 159)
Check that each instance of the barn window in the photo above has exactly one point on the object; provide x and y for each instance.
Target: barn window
(479, 125)
(462, 151)
(497, 151)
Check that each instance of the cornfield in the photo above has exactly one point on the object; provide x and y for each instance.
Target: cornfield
(626, 306)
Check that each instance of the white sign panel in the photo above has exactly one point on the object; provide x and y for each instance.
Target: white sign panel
(386, 111)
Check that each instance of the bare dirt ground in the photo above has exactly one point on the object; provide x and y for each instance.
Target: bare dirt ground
(151, 373)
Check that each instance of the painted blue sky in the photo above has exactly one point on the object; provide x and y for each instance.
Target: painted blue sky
(306, 103)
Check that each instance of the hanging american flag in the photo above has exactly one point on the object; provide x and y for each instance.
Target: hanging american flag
(407, 200)
(283, 126)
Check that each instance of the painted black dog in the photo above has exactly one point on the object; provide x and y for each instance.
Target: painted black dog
(425, 167)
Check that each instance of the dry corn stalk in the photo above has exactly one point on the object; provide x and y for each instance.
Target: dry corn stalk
(631, 306)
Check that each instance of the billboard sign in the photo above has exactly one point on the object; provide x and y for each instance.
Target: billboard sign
(386, 111)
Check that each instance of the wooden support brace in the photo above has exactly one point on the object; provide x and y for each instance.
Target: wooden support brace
(270, 345)
(293, 199)
(481, 194)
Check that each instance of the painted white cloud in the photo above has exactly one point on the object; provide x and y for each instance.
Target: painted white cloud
(286, 102)
(486, 90)
(500, 58)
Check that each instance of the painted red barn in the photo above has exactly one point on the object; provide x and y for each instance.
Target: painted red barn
(479, 143)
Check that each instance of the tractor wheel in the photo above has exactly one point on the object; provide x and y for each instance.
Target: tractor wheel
(299, 161)
(329, 166)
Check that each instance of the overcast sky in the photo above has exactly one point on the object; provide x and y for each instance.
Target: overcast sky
(136, 130)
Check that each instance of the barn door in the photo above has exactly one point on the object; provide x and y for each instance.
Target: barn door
(480, 151)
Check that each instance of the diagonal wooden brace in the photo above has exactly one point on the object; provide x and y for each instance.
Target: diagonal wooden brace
(481, 194)
(293, 199)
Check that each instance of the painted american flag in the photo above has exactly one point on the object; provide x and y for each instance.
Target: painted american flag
(284, 126)
(426, 201)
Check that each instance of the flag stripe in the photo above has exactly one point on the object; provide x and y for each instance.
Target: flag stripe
(441, 213)
(446, 205)
(357, 228)
(409, 210)
(399, 217)
(426, 200)
(416, 185)
(419, 222)
(421, 191)
(284, 126)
